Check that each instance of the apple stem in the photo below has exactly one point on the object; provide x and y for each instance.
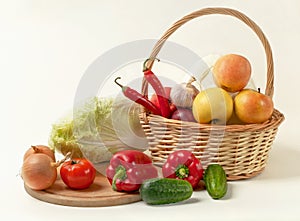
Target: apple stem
(214, 121)
(258, 90)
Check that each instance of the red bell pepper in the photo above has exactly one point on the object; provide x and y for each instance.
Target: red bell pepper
(128, 169)
(182, 164)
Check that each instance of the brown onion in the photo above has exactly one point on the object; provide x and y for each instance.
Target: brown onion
(183, 114)
(39, 149)
(39, 171)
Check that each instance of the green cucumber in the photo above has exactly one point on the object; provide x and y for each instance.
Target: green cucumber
(215, 181)
(165, 191)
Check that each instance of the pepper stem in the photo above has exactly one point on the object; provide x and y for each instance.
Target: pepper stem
(145, 68)
(182, 171)
(118, 82)
(119, 175)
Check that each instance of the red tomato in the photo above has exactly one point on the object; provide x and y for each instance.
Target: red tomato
(78, 173)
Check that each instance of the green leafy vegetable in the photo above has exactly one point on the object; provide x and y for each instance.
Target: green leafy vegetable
(99, 128)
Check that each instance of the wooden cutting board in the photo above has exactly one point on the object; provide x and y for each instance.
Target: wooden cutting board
(99, 194)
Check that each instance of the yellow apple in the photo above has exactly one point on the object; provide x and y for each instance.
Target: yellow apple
(213, 105)
(252, 106)
(232, 72)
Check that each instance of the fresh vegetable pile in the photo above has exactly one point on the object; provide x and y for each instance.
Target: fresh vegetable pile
(128, 171)
(39, 169)
(131, 171)
(108, 130)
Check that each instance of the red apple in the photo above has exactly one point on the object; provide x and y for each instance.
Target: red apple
(252, 106)
(232, 72)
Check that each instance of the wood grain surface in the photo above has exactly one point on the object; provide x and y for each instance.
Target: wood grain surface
(99, 194)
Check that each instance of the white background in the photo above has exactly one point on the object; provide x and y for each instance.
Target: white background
(46, 46)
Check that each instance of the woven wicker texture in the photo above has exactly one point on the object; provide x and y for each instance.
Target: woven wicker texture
(242, 150)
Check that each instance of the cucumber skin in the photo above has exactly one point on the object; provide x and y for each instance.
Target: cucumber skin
(215, 181)
(158, 191)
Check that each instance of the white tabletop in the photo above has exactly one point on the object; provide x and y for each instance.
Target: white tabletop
(47, 46)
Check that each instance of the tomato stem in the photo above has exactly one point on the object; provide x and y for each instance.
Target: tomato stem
(73, 162)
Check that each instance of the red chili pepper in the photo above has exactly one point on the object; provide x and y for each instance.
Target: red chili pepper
(138, 98)
(182, 164)
(128, 169)
(153, 80)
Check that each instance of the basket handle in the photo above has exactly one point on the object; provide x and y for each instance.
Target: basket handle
(269, 90)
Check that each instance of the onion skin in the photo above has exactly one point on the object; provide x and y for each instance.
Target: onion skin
(39, 171)
(39, 149)
(183, 114)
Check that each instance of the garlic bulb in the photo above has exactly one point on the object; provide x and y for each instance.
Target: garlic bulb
(183, 94)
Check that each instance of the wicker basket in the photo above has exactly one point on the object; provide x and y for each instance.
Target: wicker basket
(242, 150)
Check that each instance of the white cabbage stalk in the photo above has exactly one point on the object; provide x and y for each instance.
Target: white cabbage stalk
(98, 129)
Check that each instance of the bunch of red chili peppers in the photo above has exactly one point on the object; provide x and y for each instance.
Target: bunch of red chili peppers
(137, 97)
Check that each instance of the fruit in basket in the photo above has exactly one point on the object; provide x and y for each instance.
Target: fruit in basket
(158, 191)
(183, 114)
(215, 181)
(251, 106)
(234, 120)
(232, 72)
(183, 94)
(213, 105)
